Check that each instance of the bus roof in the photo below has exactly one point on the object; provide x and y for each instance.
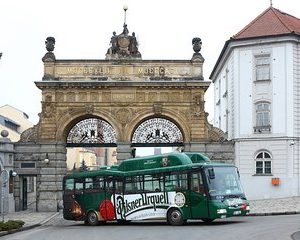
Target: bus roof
(173, 161)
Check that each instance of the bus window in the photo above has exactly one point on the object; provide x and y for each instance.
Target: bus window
(69, 185)
(152, 183)
(176, 182)
(134, 184)
(110, 184)
(119, 185)
(88, 183)
(182, 182)
(197, 183)
(170, 182)
(78, 185)
(98, 183)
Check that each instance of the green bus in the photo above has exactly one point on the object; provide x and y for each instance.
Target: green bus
(174, 186)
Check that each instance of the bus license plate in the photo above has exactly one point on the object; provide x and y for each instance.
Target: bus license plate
(237, 213)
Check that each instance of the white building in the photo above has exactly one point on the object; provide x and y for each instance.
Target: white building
(14, 121)
(257, 103)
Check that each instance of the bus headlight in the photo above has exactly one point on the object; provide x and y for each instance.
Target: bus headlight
(221, 211)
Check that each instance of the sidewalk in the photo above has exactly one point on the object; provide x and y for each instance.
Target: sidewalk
(265, 207)
(277, 206)
(31, 218)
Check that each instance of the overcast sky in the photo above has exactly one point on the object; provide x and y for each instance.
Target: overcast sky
(82, 29)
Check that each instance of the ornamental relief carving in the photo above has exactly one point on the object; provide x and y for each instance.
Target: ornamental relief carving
(198, 105)
(164, 97)
(106, 97)
(48, 110)
(94, 97)
(89, 108)
(140, 97)
(59, 97)
(123, 115)
(174, 97)
(70, 97)
(82, 97)
(152, 97)
(30, 135)
(216, 134)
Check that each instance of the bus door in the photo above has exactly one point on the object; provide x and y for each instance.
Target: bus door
(68, 198)
(198, 197)
(107, 209)
(118, 198)
(76, 200)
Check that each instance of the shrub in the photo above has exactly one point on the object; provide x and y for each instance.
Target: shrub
(11, 224)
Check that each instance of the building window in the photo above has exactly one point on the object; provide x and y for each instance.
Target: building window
(262, 117)
(263, 163)
(263, 68)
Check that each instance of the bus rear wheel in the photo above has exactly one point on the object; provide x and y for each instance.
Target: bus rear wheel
(175, 217)
(92, 219)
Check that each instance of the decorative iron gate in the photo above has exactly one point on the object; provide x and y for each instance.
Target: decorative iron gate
(157, 132)
(91, 132)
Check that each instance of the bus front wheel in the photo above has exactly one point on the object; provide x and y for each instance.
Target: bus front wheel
(92, 218)
(175, 217)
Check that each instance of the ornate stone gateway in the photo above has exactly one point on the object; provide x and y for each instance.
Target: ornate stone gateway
(121, 101)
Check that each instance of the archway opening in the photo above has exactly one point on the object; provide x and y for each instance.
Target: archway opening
(91, 143)
(156, 136)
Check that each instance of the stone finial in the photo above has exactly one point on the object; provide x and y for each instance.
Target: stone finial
(49, 56)
(4, 133)
(50, 43)
(197, 45)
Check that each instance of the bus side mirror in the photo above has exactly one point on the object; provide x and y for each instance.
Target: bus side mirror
(211, 173)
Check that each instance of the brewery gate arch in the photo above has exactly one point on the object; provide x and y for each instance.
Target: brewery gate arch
(124, 91)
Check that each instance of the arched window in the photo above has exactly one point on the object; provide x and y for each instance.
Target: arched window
(263, 119)
(263, 163)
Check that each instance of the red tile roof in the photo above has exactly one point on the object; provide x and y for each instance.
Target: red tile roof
(271, 22)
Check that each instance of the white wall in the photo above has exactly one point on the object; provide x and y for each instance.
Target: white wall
(283, 159)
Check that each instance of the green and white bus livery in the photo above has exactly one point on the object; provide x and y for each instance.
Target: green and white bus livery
(174, 186)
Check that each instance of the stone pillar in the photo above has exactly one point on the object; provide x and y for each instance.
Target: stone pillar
(49, 182)
(123, 151)
(49, 175)
(7, 163)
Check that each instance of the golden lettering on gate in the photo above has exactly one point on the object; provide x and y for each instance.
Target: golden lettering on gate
(121, 70)
(88, 70)
(152, 71)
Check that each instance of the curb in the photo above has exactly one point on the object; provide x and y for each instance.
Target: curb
(273, 213)
(3, 233)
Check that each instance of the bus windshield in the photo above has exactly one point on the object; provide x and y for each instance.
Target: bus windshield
(223, 181)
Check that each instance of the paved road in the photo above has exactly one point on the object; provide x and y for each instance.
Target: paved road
(241, 228)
